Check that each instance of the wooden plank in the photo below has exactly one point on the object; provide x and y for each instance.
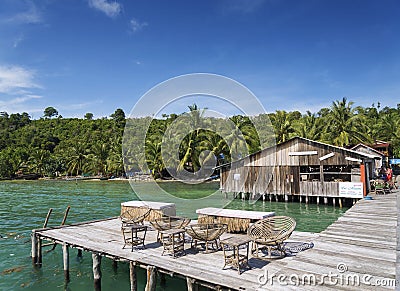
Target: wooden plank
(364, 238)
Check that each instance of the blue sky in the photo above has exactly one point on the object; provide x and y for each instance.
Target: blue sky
(98, 55)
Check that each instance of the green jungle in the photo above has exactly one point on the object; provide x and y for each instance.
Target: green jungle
(53, 146)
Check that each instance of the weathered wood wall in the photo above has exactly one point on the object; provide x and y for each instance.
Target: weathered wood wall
(275, 171)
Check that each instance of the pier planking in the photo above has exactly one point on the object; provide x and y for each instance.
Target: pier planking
(364, 239)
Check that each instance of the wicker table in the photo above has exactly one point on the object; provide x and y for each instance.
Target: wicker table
(173, 241)
(158, 209)
(236, 220)
(235, 259)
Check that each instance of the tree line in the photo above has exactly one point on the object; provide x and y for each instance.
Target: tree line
(53, 145)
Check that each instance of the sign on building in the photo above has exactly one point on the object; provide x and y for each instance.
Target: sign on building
(351, 189)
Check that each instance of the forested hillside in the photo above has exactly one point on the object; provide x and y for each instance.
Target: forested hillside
(54, 146)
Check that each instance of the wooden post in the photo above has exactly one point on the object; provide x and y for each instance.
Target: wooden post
(39, 252)
(270, 197)
(363, 179)
(340, 202)
(301, 198)
(334, 201)
(264, 197)
(65, 215)
(191, 286)
(306, 199)
(34, 253)
(151, 279)
(286, 198)
(325, 200)
(132, 276)
(47, 218)
(276, 198)
(317, 200)
(66, 261)
(96, 271)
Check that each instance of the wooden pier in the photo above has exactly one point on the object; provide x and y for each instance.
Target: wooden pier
(361, 243)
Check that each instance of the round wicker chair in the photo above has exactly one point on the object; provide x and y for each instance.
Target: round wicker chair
(169, 222)
(271, 232)
(134, 215)
(207, 233)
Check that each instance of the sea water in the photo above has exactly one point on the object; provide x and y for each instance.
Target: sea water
(24, 205)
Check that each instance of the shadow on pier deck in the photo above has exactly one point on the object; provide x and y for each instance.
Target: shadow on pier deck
(359, 246)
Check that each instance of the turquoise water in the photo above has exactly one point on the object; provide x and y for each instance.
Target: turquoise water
(24, 205)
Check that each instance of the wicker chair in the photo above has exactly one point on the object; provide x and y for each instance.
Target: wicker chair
(135, 215)
(132, 227)
(169, 222)
(271, 232)
(207, 233)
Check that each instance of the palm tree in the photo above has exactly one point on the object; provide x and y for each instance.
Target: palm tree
(309, 126)
(115, 162)
(242, 138)
(154, 159)
(283, 126)
(38, 161)
(344, 126)
(189, 149)
(77, 158)
(98, 156)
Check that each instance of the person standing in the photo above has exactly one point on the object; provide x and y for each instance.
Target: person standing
(389, 174)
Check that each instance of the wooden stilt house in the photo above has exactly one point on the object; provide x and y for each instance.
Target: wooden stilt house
(299, 166)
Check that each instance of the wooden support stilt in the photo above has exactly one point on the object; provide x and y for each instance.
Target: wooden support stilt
(191, 285)
(325, 200)
(151, 278)
(286, 198)
(270, 197)
(306, 199)
(96, 271)
(34, 253)
(317, 200)
(276, 198)
(334, 201)
(66, 261)
(264, 197)
(301, 199)
(132, 276)
(340, 203)
(39, 252)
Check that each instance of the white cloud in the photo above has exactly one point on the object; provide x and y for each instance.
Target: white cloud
(18, 100)
(136, 25)
(15, 78)
(20, 104)
(111, 9)
(31, 16)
